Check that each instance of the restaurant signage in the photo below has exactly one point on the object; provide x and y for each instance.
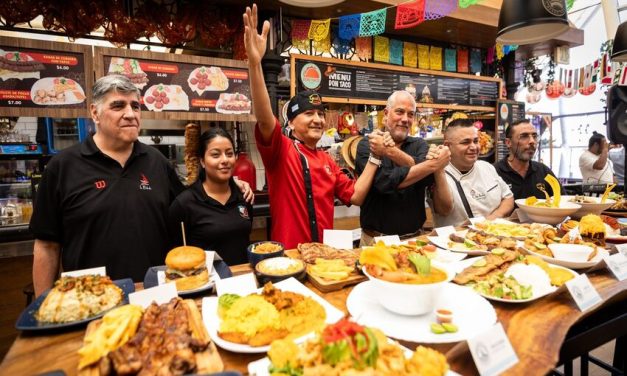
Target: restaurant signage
(343, 79)
(44, 78)
(507, 112)
(182, 86)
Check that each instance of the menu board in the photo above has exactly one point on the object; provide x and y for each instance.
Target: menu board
(356, 80)
(44, 78)
(507, 112)
(183, 86)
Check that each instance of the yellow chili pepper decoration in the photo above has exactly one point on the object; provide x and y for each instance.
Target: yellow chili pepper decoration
(555, 186)
(607, 192)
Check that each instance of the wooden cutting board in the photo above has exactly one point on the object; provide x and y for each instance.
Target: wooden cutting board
(208, 361)
(327, 285)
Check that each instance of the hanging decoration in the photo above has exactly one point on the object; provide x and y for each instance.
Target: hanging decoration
(363, 46)
(319, 29)
(410, 54)
(435, 58)
(349, 26)
(396, 52)
(300, 34)
(499, 51)
(323, 45)
(410, 14)
(462, 60)
(15, 12)
(436, 9)
(450, 60)
(381, 49)
(372, 23)
(423, 57)
(467, 3)
(475, 60)
(341, 46)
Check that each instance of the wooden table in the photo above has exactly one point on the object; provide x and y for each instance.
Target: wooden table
(536, 330)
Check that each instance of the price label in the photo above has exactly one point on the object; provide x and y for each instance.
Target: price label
(204, 109)
(237, 81)
(622, 248)
(101, 270)
(582, 291)
(162, 75)
(14, 103)
(160, 294)
(445, 231)
(63, 67)
(617, 263)
(492, 351)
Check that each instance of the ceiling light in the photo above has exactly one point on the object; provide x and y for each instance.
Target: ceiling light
(531, 21)
(619, 50)
(311, 3)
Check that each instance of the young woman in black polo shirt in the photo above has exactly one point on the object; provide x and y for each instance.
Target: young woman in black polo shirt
(214, 212)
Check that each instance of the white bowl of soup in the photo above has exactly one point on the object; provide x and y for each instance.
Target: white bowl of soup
(411, 299)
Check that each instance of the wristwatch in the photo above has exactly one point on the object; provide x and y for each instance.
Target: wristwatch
(374, 160)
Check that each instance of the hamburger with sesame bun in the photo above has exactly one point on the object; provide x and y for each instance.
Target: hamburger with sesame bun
(186, 266)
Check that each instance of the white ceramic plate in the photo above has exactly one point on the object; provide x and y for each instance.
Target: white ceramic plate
(572, 264)
(471, 313)
(594, 207)
(535, 296)
(260, 367)
(442, 242)
(72, 96)
(212, 321)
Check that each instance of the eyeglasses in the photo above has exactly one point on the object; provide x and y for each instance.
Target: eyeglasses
(526, 136)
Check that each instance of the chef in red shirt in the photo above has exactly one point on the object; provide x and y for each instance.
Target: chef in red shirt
(302, 181)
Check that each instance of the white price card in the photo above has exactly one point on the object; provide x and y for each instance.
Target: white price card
(582, 291)
(388, 239)
(445, 231)
(241, 285)
(160, 294)
(101, 270)
(475, 220)
(340, 239)
(617, 263)
(492, 351)
(622, 248)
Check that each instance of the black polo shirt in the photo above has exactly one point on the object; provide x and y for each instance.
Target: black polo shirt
(523, 187)
(388, 209)
(105, 214)
(211, 225)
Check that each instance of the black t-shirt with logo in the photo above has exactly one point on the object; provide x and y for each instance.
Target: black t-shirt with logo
(523, 187)
(104, 214)
(211, 225)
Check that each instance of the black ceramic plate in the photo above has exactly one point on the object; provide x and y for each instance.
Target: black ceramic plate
(220, 267)
(28, 322)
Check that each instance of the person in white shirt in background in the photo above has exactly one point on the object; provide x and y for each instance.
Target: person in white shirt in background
(485, 191)
(594, 164)
(617, 156)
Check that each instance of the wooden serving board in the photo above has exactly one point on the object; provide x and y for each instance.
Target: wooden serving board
(208, 361)
(326, 285)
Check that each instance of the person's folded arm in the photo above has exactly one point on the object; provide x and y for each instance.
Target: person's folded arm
(46, 262)
(504, 209)
(442, 197)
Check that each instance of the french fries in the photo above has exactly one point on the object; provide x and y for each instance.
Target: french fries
(115, 329)
(335, 270)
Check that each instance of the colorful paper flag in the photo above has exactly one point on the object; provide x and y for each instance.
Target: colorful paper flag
(349, 26)
(381, 49)
(450, 60)
(372, 23)
(410, 54)
(396, 51)
(435, 58)
(300, 33)
(363, 46)
(423, 57)
(409, 14)
(462, 60)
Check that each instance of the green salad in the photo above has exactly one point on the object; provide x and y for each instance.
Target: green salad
(502, 287)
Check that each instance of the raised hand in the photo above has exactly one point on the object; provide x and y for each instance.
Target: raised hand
(254, 42)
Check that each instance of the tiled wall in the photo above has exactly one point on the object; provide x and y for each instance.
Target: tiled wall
(27, 125)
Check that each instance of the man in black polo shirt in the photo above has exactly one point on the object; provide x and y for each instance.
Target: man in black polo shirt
(519, 171)
(395, 204)
(104, 201)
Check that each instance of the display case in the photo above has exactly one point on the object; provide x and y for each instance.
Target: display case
(16, 192)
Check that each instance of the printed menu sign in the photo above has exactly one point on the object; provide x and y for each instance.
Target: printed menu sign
(340, 79)
(42, 79)
(176, 86)
(507, 112)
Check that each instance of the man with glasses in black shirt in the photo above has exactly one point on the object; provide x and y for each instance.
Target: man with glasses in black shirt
(523, 175)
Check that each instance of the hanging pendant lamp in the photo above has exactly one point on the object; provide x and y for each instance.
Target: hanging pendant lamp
(619, 50)
(531, 21)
